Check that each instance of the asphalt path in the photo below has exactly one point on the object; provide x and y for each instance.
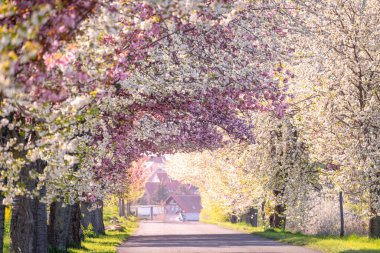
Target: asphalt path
(193, 237)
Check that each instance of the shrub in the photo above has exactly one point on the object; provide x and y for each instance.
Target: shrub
(89, 232)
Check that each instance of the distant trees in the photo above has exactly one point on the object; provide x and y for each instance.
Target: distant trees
(275, 170)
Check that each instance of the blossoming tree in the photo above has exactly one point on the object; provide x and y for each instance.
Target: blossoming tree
(118, 82)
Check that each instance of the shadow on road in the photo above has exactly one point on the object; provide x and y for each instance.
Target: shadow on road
(164, 237)
(198, 240)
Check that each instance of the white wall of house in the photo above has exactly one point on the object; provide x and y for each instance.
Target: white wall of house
(144, 210)
(192, 216)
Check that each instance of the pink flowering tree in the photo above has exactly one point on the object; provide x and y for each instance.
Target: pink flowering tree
(98, 84)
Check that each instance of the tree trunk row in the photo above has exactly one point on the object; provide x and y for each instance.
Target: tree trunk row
(31, 234)
(29, 230)
(124, 209)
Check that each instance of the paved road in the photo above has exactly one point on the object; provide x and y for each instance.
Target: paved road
(188, 237)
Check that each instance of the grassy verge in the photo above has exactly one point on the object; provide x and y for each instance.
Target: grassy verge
(108, 243)
(7, 227)
(327, 244)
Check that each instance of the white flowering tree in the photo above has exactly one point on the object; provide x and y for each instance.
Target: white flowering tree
(274, 173)
(338, 76)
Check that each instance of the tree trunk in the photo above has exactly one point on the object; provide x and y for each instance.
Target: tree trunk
(374, 221)
(64, 226)
(341, 211)
(59, 223)
(41, 226)
(128, 211)
(277, 218)
(74, 238)
(28, 226)
(93, 216)
(29, 217)
(22, 226)
(233, 218)
(374, 227)
(121, 207)
(2, 218)
(263, 220)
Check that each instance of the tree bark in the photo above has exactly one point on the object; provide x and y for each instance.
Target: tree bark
(374, 221)
(374, 227)
(121, 207)
(233, 218)
(2, 219)
(74, 238)
(64, 226)
(41, 226)
(28, 226)
(75, 232)
(277, 219)
(59, 225)
(128, 211)
(93, 216)
(263, 213)
(29, 218)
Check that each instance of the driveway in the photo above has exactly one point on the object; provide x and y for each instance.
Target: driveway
(193, 237)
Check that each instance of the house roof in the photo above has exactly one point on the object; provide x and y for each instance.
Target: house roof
(188, 203)
(163, 177)
(173, 185)
(151, 188)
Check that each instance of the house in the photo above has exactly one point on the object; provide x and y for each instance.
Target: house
(159, 187)
(191, 189)
(189, 205)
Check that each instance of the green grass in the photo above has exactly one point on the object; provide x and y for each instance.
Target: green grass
(108, 243)
(7, 238)
(327, 244)
(7, 227)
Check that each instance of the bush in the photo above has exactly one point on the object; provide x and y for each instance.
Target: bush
(89, 232)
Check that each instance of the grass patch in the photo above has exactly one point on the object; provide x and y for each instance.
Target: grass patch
(7, 230)
(108, 243)
(327, 244)
(7, 236)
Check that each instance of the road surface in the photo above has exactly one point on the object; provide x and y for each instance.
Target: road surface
(192, 237)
